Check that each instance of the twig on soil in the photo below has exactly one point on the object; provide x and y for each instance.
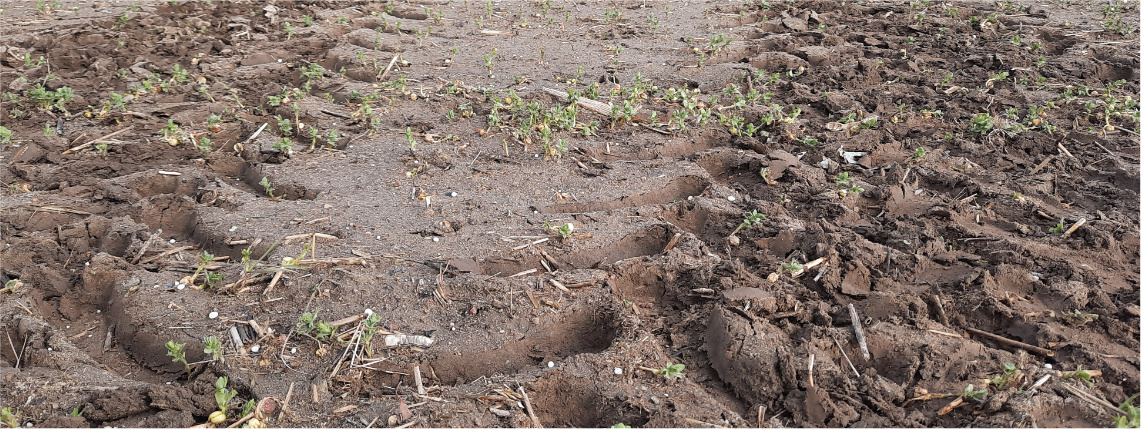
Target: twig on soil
(1010, 342)
(858, 329)
(147, 244)
(1042, 165)
(387, 69)
(554, 263)
(1089, 397)
(238, 147)
(1064, 150)
(419, 381)
(699, 422)
(939, 310)
(12, 345)
(1080, 222)
(672, 243)
(273, 282)
(596, 106)
(846, 359)
(811, 363)
(524, 246)
(530, 409)
(559, 286)
(945, 333)
(61, 210)
(242, 420)
(166, 253)
(77, 148)
(288, 396)
(407, 425)
(1114, 155)
(808, 266)
(525, 272)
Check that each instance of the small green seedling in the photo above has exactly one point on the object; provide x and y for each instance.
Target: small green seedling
(213, 347)
(919, 154)
(565, 230)
(1060, 227)
(223, 395)
(623, 425)
(671, 371)
(76, 412)
(178, 354)
(791, 267)
(1086, 376)
(1001, 381)
(12, 286)
(977, 395)
(268, 187)
(10, 417)
(1077, 317)
(1132, 417)
(753, 219)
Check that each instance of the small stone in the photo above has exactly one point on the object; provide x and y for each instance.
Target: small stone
(293, 351)
(180, 286)
(734, 240)
(213, 315)
(550, 364)
(617, 371)
(255, 348)
(731, 198)
(172, 241)
(435, 238)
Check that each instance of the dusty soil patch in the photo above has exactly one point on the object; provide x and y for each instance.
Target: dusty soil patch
(405, 160)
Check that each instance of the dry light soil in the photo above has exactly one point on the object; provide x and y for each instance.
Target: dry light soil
(521, 213)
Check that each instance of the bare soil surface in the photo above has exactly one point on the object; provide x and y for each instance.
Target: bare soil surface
(358, 192)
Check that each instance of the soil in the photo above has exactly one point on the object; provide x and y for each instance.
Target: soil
(436, 207)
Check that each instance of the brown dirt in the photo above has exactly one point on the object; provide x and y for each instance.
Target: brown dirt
(430, 238)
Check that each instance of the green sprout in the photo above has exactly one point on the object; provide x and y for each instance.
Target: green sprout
(213, 347)
(1081, 374)
(1001, 381)
(178, 354)
(981, 123)
(1132, 417)
(1060, 227)
(977, 395)
(791, 267)
(268, 187)
(563, 230)
(671, 370)
(10, 417)
(223, 395)
(752, 219)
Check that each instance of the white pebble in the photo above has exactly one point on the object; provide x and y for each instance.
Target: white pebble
(180, 286)
(1048, 366)
(435, 238)
(731, 198)
(213, 315)
(550, 364)
(255, 348)
(617, 371)
(49, 349)
(172, 241)
(293, 351)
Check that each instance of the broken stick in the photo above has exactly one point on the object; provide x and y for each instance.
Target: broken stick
(1013, 343)
(858, 329)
